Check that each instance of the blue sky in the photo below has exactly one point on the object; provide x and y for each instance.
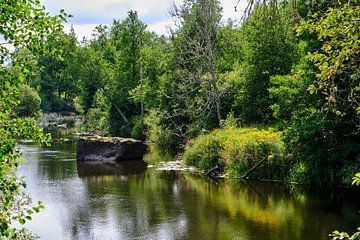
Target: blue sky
(90, 13)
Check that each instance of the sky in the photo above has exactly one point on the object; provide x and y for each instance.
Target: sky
(89, 13)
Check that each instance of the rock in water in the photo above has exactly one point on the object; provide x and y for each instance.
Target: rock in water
(109, 149)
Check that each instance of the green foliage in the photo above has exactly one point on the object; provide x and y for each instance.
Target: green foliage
(230, 122)
(338, 76)
(193, 92)
(24, 24)
(30, 101)
(97, 118)
(59, 76)
(159, 135)
(203, 152)
(356, 179)
(136, 128)
(299, 173)
(268, 49)
(336, 235)
(237, 150)
(110, 64)
(316, 104)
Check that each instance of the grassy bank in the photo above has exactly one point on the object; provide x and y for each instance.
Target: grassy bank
(237, 150)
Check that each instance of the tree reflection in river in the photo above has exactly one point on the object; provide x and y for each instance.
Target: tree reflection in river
(129, 201)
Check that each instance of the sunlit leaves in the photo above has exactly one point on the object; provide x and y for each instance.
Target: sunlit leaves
(23, 24)
(356, 180)
(339, 56)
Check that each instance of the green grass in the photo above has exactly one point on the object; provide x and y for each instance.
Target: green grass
(236, 150)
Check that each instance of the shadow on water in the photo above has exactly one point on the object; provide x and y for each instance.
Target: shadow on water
(88, 169)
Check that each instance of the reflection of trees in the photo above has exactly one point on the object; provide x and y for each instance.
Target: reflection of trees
(141, 204)
(127, 201)
(272, 211)
(123, 168)
(260, 212)
(169, 205)
(58, 161)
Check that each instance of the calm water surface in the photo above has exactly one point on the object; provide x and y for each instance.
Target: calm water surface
(131, 201)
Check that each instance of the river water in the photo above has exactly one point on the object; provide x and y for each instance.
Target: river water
(130, 201)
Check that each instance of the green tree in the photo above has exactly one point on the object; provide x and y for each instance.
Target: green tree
(29, 102)
(268, 49)
(23, 24)
(58, 79)
(110, 67)
(128, 37)
(317, 104)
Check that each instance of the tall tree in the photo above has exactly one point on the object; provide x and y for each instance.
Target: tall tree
(196, 54)
(269, 48)
(128, 37)
(58, 79)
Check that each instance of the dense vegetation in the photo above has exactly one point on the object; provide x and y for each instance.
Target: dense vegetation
(289, 66)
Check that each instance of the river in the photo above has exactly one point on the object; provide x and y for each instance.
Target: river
(130, 201)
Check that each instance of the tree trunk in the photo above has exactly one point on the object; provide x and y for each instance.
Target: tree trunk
(216, 92)
(142, 100)
(210, 49)
(121, 113)
(253, 168)
(117, 108)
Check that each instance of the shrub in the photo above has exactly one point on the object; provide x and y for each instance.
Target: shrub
(203, 152)
(51, 102)
(162, 137)
(299, 173)
(237, 150)
(349, 170)
(97, 117)
(136, 128)
(246, 147)
(29, 102)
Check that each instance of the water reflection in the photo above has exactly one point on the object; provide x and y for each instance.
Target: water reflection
(129, 201)
(123, 168)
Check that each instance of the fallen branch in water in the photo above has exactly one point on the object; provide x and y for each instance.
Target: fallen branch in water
(212, 170)
(253, 168)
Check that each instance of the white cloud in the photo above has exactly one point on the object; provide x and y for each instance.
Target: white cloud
(81, 30)
(161, 28)
(5, 44)
(90, 13)
(229, 9)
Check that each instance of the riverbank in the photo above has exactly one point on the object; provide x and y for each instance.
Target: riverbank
(254, 153)
(62, 121)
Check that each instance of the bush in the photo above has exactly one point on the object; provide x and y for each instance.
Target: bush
(349, 170)
(299, 173)
(237, 150)
(203, 152)
(97, 118)
(162, 137)
(51, 102)
(136, 128)
(29, 102)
